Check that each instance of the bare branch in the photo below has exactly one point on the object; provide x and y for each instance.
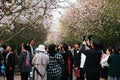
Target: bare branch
(11, 37)
(15, 19)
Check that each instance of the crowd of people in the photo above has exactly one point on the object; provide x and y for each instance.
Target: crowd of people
(85, 61)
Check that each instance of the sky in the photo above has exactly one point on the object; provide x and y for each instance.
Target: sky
(55, 27)
(57, 15)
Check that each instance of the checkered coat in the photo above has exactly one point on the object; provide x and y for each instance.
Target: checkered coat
(55, 65)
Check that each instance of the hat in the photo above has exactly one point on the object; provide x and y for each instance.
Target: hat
(40, 48)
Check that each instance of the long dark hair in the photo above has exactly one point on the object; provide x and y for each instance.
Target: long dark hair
(52, 49)
(11, 46)
(26, 47)
(116, 49)
(65, 46)
(110, 49)
(97, 44)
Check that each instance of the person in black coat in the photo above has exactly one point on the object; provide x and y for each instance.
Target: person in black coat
(93, 57)
(10, 63)
(77, 58)
(68, 61)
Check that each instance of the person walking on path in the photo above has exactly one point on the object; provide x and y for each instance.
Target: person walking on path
(40, 62)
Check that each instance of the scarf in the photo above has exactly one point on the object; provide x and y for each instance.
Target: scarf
(26, 60)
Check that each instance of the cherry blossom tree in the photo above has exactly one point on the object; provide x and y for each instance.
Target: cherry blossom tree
(33, 14)
(99, 18)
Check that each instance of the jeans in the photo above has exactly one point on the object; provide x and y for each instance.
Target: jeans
(54, 78)
(113, 78)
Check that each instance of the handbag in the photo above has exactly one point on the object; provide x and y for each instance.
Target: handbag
(77, 72)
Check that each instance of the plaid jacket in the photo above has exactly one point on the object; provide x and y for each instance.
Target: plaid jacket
(55, 65)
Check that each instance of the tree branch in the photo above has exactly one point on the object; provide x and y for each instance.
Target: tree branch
(15, 19)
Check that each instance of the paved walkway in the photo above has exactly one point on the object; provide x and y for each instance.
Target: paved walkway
(16, 77)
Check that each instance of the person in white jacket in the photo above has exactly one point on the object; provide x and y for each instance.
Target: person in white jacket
(40, 62)
(104, 64)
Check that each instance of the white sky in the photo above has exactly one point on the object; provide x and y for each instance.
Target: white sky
(57, 15)
(55, 28)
